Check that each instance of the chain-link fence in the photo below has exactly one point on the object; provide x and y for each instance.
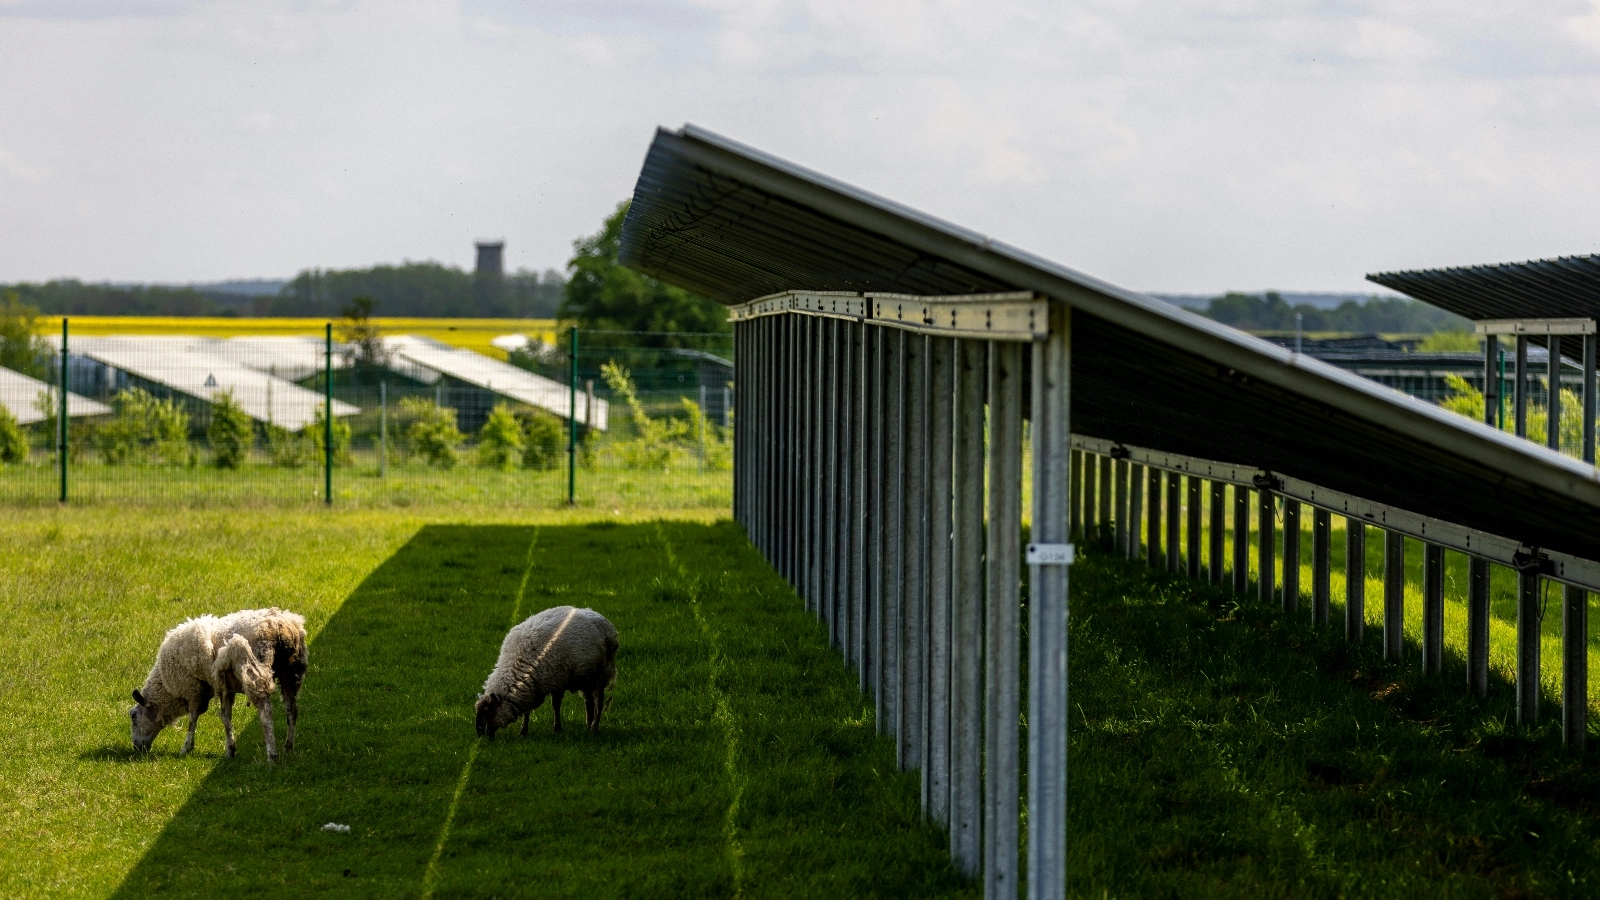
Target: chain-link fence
(171, 419)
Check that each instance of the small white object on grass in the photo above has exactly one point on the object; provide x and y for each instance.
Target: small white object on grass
(335, 826)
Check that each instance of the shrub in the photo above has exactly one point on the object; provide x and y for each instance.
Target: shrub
(13, 440)
(1468, 401)
(288, 449)
(144, 428)
(500, 440)
(432, 432)
(541, 443)
(232, 432)
(313, 433)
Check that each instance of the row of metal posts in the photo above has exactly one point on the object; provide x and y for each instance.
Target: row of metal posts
(862, 452)
(1100, 519)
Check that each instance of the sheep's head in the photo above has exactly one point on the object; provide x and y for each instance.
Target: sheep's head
(146, 720)
(493, 714)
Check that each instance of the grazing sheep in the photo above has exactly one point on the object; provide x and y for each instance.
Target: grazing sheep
(556, 651)
(209, 657)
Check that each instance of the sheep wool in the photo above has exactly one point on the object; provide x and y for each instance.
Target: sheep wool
(207, 657)
(559, 650)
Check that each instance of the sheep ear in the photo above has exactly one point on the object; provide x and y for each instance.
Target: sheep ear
(139, 698)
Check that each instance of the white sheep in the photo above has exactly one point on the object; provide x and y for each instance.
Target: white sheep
(551, 653)
(210, 657)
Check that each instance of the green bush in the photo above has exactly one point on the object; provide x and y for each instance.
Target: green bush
(431, 433)
(542, 438)
(500, 440)
(144, 429)
(13, 440)
(232, 432)
(288, 449)
(341, 437)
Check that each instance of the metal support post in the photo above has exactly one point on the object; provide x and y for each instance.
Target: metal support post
(383, 430)
(1529, 614)
(1241, 539)
(63, 414)
(818, 474)
(1321, 566)
(1217, 537)
(1478, 626)
(843, 452)
(1047, 611)
(1394, 595)
(828, 478)
(1574, 666)
(1001, 709)
(1520, 387)
(860, 485)
(1174, 522)
(1266, 544)
(1119, 503)
(936, 771)
(1432, 609)
(1355, 579)
(1091, 506)
(1291, 555)
(572, 413)
(1491, 380)
(891, 624)
(1153, 522)
(1192, 539)
(967, 612)
(1104, 535)
(327, 418)
(1135, 546)
(877, 531)
(1588, 397)
(914, 561)
(1076, 503)
(1552, 369)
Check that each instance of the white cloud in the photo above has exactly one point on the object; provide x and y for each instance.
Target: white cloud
(1188, 147)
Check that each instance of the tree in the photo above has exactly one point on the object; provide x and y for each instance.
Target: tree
(361, 336)
(601, 294)
(21, 348)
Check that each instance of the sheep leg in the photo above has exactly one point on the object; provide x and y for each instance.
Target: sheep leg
(525, 717)
(555, 701)
(264, 710)
(290, 689)
(195, 709)
(599, 707)
(226, 712)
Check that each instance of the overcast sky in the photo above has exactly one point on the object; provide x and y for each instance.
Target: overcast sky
(1167, 146)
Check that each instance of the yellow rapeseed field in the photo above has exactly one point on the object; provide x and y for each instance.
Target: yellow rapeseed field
(473, 334)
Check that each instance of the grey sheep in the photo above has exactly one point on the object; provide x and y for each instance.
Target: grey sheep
(551, 653)
(209, 657)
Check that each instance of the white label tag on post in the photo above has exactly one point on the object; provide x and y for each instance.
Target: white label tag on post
(1050, 554)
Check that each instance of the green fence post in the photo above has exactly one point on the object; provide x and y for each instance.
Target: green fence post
(572, 424)
(327, 418)
(61, 448)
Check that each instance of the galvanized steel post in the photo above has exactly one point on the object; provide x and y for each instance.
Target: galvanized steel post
(1135, 511)
(1394, 595)
(967, 611)
(914, 559)
(1241, 540)
(1001, 709)
(1529, 614)
(891, 624)
(1266, 543)
(1174, 522)
(1432, 609)
(936, 768)
(1321, 566)
(1091, 506)
(1047, 611)
(1574, 666)
(1153, 522)
(1075, 504)
(1218, 531)
(1104, 535)
(63, 414)
(1355, 579)
(1491, 380)
(327, 418)
(1589, 341)
(860, 559)
(1119, 502)
(1520, 387)
(1291, 554)
(1478, 626)
(1192, 539)
(877, 530)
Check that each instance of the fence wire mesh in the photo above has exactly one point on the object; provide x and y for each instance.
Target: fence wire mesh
(181, 420)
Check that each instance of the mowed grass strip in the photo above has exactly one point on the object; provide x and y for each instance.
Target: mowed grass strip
(1222, 749)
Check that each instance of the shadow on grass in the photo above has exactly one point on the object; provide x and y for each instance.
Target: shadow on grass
(657, 804)
(1222, 748)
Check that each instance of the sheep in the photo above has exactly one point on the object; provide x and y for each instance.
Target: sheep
(551, 653)
(209, 656)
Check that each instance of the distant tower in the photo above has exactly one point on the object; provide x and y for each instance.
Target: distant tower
(489, 279)
(491, 259)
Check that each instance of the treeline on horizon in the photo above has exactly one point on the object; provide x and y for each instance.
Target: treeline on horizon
(425, 289)
(1388, 315)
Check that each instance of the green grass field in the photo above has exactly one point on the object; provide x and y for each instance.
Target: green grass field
(737, 758)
